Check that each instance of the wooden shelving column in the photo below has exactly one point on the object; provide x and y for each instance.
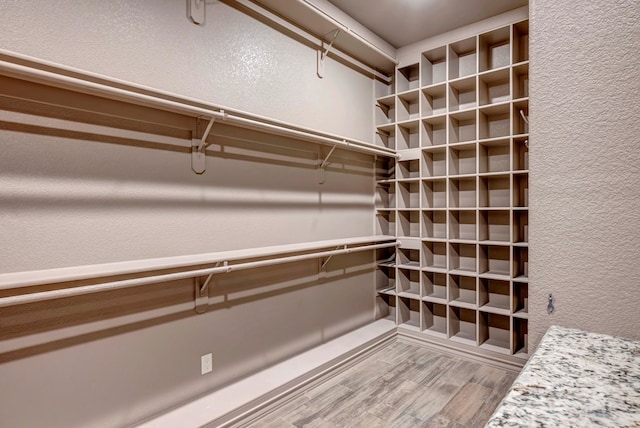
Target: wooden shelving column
(457, 198)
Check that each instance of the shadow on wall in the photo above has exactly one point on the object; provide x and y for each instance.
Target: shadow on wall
(42, 327)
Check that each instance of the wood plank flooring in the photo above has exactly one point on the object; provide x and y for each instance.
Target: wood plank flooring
(402, 385)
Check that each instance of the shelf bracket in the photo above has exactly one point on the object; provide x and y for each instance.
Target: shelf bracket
(322, 53)
(321, 165)
(383, 133)
(202, 294)
(198, 147)
(385, 109)
(196, 11)
(326, 261)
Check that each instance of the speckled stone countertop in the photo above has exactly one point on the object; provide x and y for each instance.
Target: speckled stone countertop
(575, 378)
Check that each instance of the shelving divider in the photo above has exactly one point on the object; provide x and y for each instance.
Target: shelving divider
(461, 129)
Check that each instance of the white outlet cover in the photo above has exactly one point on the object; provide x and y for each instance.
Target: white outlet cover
(206, 364)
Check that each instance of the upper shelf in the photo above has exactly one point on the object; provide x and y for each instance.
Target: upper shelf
(319, 23)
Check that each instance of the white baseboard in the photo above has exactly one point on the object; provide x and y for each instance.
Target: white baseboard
(251, 397)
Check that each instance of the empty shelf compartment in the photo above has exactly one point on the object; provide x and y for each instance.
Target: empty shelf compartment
(520, 299)
(434, 318)
(434, 287)
(462, 258)
(434, 193)
(494, 332)
(462, 159)
(434, 162)
(434, 255)
(408, 258)
(408, 136)
(385, 110)
(386, 307)
(520, 333)
(409, 223)
(385, 222)
(463, 291)
(521, 190)
(462, 325)
(494, 191)
(494, 121)
(409, 194)
(494, 87)
(494, 261)
(520, 81)
(493, 296)
(434, 66)
(408, 169)
(408, 78)
(462, 225)
(493, 156)
(434, 131)
(434, 224)
(462, 127)
(521, 42)
(462, 94)
(462, 192)
(494, 49)
(462, 58)
(386, 136)
(409, 312)
(408, 106)
(520, 227)
(409, 283)
(495, 226)
(434, 100)
(521, 262)
(521, 153)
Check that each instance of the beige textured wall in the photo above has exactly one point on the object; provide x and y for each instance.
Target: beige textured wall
(112, 359)
(585, 166)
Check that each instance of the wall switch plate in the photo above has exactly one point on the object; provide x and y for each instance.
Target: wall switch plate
(206, 364)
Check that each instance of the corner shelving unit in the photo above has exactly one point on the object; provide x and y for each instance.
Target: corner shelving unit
(457, 198)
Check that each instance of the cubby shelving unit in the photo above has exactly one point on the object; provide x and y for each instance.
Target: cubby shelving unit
(457, 198)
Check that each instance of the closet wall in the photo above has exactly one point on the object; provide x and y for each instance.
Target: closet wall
(114, 358)
(585, 204)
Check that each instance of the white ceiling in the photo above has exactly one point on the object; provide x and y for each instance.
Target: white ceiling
(402, 22)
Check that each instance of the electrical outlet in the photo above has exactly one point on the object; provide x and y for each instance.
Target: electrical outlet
(206, 364)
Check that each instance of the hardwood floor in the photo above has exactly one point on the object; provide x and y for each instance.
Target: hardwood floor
(403, 385)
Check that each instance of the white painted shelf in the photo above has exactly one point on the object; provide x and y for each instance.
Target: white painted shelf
(460, 188)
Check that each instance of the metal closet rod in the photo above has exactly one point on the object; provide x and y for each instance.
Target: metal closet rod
(130, 283)
(212, 111)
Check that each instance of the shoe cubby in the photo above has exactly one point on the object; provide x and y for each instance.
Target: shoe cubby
(462, 159)
(458, 197)
(462, 258)
(386, 136)
(384, 194)
(521, 153)
(434, 66)
(408, 136)
(385, 169)
(494, 191)
(462, 127)
(434, 162)
(494, 296)
(494, 121)
(462, 325)
(385, 222)
(409, 194)
(520, 81)
(494, 226)
(494, 156)
(408, 169)
(520, 226)
(494, 331)
(434, 100)
(494, 87)
(386, 110)
(434, 287)
(383, 89)
(409, 283)
(434, 131)
(434, 224)
(386, 257)
(520, 42)
(462, 58)
(408, 106)
(494, 49)
(434, 193)
(408, 78)
(463, 291)
(521, 190)
(386, 307)
(494, 262)
(462, 192)
(409, 312)
(520, 118)
(520, 333)
(521, 263)
(462, 94)
(462, 225)
(386, 279)
(408, 223)
(520, 299)
(408, 258)
(434, 256)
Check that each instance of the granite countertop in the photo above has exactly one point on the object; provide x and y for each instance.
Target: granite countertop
(575, 378)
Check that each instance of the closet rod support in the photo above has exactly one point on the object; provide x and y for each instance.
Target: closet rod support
(323, 52)
(198, 147)
(196, 11)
